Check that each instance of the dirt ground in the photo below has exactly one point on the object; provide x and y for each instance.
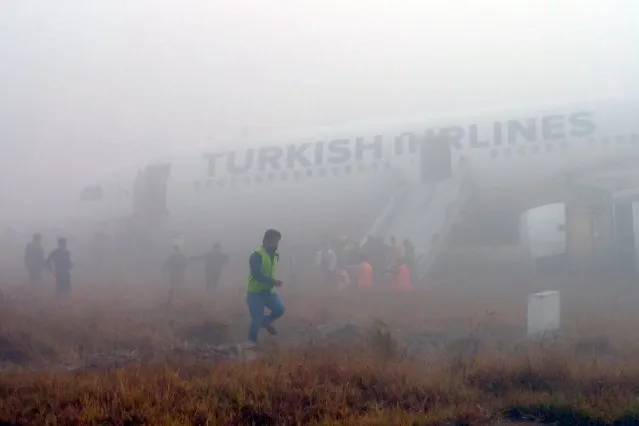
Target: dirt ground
(455, 352)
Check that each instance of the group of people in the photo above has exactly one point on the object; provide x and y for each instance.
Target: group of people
(378, 265)
(375, 264)
(262, 282)
(58, 263)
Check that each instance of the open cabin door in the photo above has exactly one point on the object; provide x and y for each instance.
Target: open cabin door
(544, 234)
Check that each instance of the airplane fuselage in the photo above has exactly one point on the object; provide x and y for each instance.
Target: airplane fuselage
(332, 179)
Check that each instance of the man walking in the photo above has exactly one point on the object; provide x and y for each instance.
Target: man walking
(411, 258)
(175, 265)
(34, 260)
(215, 260)
(261, 286)
(59, 262)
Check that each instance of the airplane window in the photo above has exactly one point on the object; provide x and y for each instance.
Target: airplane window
(92, 193)
(271, 177)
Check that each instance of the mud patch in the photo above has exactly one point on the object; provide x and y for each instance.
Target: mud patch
(208, 333)
(563, 415)
(16, 350)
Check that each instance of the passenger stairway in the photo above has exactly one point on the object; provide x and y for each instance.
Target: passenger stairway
(425, 214)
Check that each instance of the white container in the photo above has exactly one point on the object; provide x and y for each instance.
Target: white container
(544, 313)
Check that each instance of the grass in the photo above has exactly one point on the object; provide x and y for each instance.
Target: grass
(475, 368)
(325, 388)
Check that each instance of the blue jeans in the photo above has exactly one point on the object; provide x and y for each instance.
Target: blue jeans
(256, 303)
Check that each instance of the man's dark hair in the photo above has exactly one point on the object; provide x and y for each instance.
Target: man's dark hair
(272, 234)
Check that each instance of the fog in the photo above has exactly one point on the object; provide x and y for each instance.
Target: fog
(89, 87)
(438, 182)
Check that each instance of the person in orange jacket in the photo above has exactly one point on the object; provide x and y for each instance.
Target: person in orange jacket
(365, 274)
(402, 280)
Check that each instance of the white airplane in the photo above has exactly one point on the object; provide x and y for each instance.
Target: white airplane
(348, 180)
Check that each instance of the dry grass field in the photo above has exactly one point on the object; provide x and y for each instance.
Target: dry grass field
(452, 354)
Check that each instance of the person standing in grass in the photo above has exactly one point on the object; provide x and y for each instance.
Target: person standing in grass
(402, 279)
(34, 260)
(215, 261)
(175, 265)
(59, 263)
(261, 286)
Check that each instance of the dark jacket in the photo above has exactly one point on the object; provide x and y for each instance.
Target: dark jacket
(59, 262)
(215, 260)
(34, 259)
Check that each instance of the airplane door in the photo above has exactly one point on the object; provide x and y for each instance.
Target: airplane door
(544, 234)
(435, 159)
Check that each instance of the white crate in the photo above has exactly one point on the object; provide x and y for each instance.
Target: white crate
(544, 313)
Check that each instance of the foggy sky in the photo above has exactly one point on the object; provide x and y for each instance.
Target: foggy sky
(89, 86)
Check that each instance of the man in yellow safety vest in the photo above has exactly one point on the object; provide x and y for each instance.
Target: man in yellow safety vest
(261, 286)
